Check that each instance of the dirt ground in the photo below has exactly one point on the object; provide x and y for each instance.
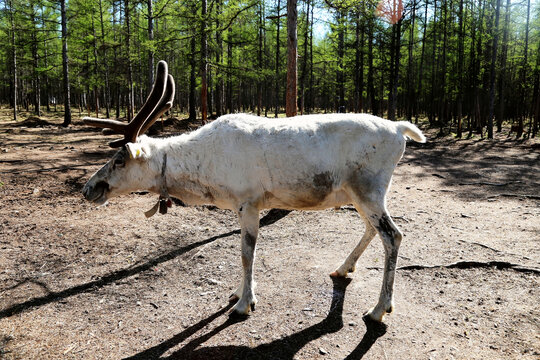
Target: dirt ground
(80, 282)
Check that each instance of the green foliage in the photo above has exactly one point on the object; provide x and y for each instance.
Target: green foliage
(242, 43)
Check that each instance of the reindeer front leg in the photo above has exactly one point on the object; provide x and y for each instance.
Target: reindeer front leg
(249, 223)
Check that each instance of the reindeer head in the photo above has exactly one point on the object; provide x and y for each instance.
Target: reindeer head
(126, 168)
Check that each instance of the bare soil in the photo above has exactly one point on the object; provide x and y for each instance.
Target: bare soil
(80, 282)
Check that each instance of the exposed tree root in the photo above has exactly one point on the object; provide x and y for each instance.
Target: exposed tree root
(499, 265)
(526, 196)
(490, 183)
(493, 249)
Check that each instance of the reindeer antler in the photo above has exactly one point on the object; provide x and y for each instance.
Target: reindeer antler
(160, 100)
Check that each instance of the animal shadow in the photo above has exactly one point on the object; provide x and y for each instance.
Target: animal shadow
(284, 348)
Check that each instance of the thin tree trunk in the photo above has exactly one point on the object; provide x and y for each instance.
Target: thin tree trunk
(192, 81)
(107, 91)
(311, 92)
(278, 19)
(117, 94)
(371, 86)
(131, 96)
(492, 72)
(151, 40)
(421, 67)
(536, 96)
(304, 62)
(394, 69)
(524, 70)
(204, 64)
(260, 59)
(14, 79)
(410, 77)
(433, 69)
(35, 56)
(292, 49)
(229, 75)
(219, 55)
(358, 63)
(461, 56)
(443, 116)
(65, 66)
(45, 61)
(502, 71)
(96, 70)
(340, 79)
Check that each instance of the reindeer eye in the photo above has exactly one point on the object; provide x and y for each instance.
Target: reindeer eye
(119, 162)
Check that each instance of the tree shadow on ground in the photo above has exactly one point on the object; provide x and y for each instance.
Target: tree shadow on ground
(285, 348)
(55, 296)
(477, 168)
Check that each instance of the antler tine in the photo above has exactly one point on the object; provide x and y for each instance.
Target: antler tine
(131, 130)
(117, 127)
(164, 105)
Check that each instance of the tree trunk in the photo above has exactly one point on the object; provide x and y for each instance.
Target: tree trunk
(204, 64)
(117, 94)
(358, 63)
(311, 92)
(219, 53)
(131, 96)
(502, 71)
(340, 79)
(96, 69)
(107, 91)
(421, 67)
(304, 62)
(432, 107)
(292, 48)
(260, 59)
(443, 116)
(278, 19)
(46, 64)
(14, 79)
(461, 38)
(65, 67)
(151, 40)
(35, 57)
(492, 71)
(229, 75)
(410, 77)
(370, 85)
(394, 69)
(524, 71)
(192, 81)
(536, 96)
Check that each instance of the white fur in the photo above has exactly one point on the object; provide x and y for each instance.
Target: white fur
(247, 163)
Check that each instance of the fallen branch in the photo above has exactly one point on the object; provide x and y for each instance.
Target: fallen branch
(499, 265)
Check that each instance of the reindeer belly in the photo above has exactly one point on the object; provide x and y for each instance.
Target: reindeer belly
(304, 199)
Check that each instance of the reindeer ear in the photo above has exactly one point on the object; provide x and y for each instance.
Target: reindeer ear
(138, 151)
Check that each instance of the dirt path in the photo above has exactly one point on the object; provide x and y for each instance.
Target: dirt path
(79, 282)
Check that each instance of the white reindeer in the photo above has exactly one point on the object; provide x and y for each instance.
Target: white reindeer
(246, 163)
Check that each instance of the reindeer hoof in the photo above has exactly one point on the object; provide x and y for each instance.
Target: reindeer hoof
(338, 274)
(335, 274)
(375, 316)
(243, 308)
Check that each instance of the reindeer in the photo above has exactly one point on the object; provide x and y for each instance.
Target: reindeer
(246, 164)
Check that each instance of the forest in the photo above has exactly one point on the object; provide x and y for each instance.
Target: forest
(465, 67)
